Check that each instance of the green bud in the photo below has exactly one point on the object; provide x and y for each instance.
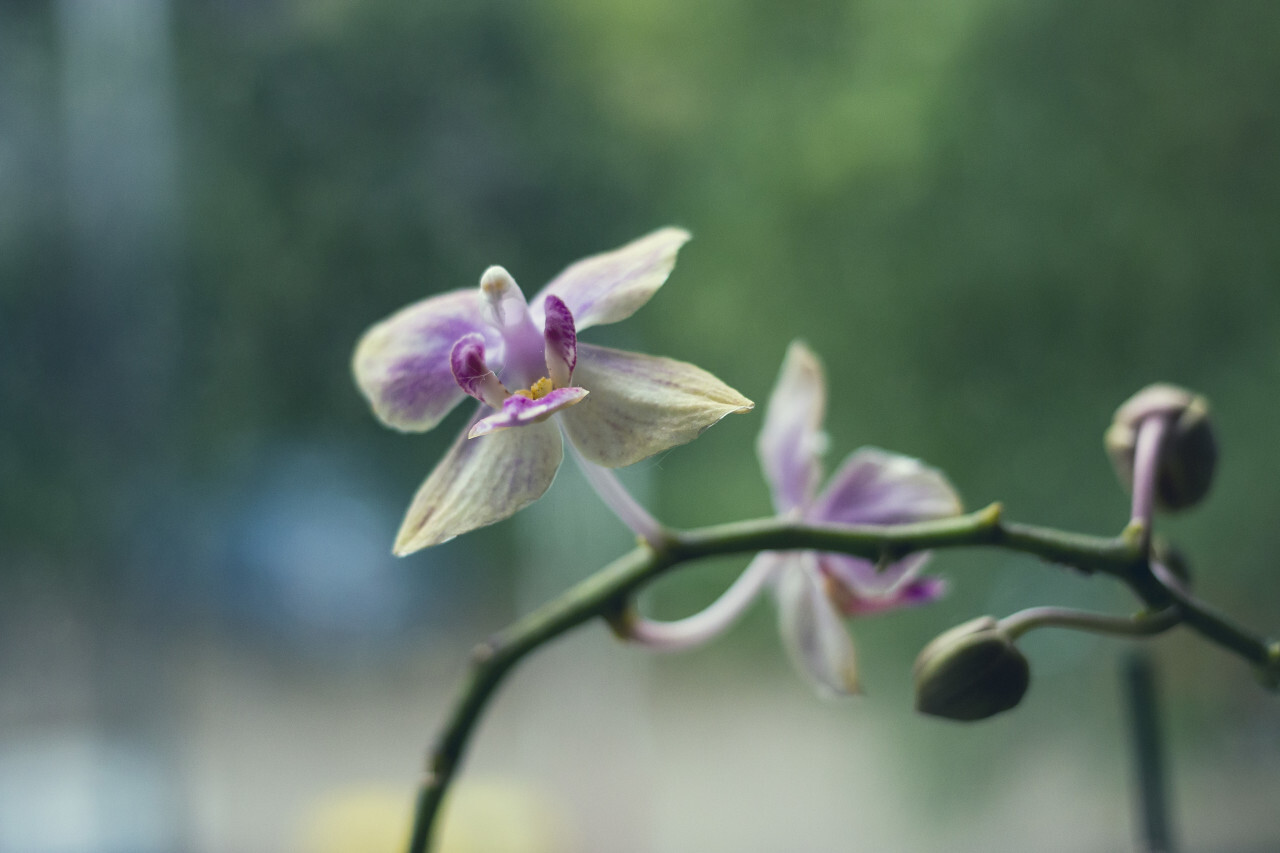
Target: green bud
(970, 672)
(1269, 673)
(1189, 452)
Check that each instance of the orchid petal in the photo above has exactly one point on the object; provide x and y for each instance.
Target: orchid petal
(791, 444)
(481, 482)
(561, 342)
(642, 404)
(518, 411)
(877, 487)
(609, 287)
(812, 630)
(402, 364)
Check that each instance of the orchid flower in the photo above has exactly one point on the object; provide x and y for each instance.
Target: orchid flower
(816, 591)
(524, 363)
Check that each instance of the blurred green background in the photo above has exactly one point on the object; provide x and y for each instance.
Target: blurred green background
(994, 221)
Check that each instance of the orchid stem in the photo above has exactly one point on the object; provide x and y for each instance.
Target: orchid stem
(1143, 624)
(608, 592)
(1146, 463)
(1150, 789)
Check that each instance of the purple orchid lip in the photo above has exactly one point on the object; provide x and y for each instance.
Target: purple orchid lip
(519, 410)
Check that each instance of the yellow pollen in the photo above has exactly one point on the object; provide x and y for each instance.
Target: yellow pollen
(537, 390)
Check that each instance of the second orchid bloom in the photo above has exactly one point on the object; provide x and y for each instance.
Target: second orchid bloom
(816, 591)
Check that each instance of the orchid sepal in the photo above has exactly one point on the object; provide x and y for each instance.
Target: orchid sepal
(791, 442)
(642, 405)
(478, 483)
(813, 630)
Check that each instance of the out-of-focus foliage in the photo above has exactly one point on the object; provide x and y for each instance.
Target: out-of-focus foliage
(994, 221)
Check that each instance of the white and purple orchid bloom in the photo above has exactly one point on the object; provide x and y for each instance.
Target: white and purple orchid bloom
(816, 591)
(524, 363)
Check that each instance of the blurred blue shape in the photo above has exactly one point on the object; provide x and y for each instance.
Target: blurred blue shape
(308, 557)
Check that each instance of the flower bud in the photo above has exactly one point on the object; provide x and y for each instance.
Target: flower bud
(1269, 673)
(1188, 453)
(971, 672)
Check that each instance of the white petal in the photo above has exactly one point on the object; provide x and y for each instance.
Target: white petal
(813, 631)
(642, 404)
(481, 481)
(402, 364)
(609, 287)
(791, 444)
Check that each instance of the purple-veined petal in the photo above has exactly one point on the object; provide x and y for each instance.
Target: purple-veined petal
(642, 404)
(519, 411)
(791, 444)
(561, 342)
(609, 287)
(481, 482)
(402, 364)
(877, 487)
(472, 373)
(813, 631)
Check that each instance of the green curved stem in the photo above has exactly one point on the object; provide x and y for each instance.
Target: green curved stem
(606, 593)
(1143, 624)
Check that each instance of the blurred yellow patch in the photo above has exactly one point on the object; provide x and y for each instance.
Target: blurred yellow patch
(493, 816)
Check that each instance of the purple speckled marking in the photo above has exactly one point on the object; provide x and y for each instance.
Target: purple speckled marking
(561, 341)
(466, 360)
(472, 373)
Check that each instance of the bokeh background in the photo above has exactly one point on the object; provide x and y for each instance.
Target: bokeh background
(995, 220)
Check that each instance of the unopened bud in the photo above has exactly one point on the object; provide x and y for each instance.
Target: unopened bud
(1188, 453)
(1269, 673)
(971, 672)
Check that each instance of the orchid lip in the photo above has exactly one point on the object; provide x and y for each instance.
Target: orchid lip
(519, 410)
